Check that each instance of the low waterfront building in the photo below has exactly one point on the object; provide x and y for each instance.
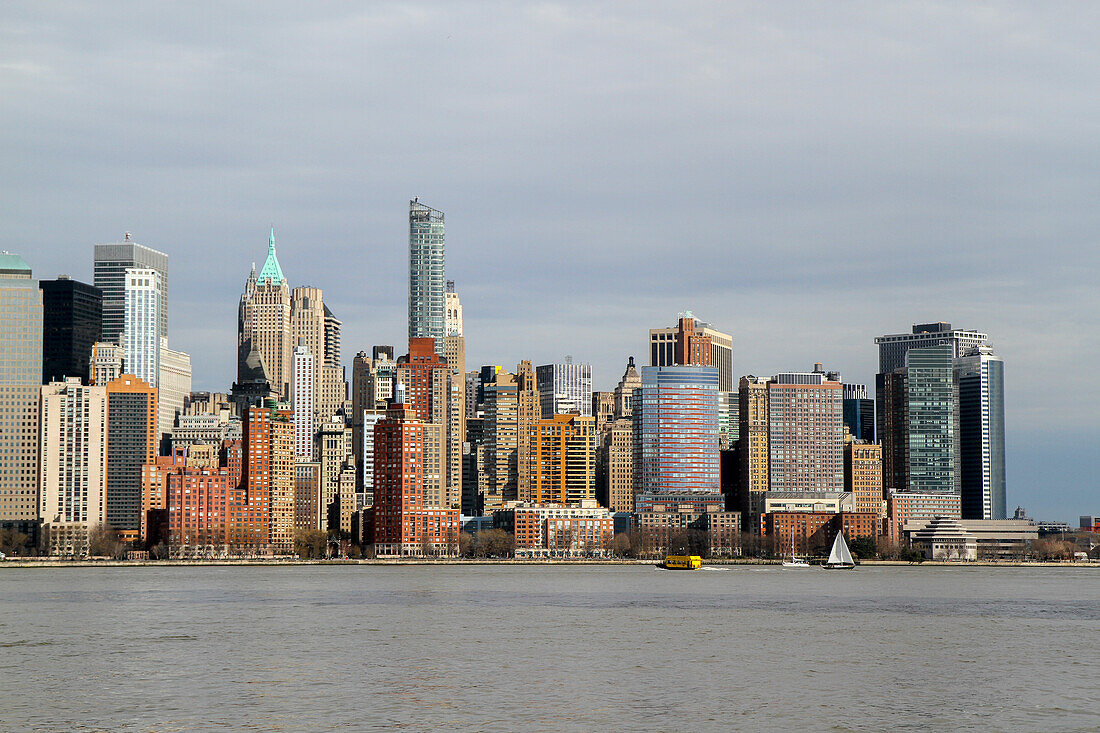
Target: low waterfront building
(995, 539)
(662, 524)
(902, 507)
(555, 530)
(815, 531)
(943, 538)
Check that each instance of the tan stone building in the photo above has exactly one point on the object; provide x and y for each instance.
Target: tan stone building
(20, 388)
(753, 415)
(616, 464)
(863, 475)
(73, 446)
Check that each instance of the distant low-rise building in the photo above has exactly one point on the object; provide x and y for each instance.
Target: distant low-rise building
(661, 519)
(942, 538)
(556, 530)
(815, 531)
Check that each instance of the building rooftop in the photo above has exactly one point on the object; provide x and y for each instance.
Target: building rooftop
(14, 265)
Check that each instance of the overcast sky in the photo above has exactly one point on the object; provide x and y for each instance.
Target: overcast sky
(805, 176)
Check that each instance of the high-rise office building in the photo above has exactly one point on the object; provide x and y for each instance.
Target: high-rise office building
(676, 430)
(334, 452)
(528, 413)
(366, 457)
(624, 391)
(753, 450)
(173, 386)
(141, 334)
(615, 465)
(563, 461)
(805, 433)
(615, 445)
(692, 342)
(302, 400)
(980, 376)
(919, 423)
(72, 316)
(427, 274)
(452, 317)
(603, 409)
(863, 475)
(74, 463)
(384, 376)
(498, 469)
(893, 347)
(729, 425)
(426, 377)
(20, 388)
(264, 336)
(859, 412)
(111, 263)
(474, 408)
(132, 440)
(403, 523)
(565, 388)
(267, 472)
(307, 328)
(107, 362)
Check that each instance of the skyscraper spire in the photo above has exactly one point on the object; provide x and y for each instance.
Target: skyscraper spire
(271, 270)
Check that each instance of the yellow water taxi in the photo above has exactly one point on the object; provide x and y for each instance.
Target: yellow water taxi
(683, 562)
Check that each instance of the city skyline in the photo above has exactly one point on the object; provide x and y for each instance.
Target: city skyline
(852, 270)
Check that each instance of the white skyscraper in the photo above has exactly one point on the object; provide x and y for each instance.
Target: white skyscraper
(303, 398)
(141, 332)
(370, 419)
(565, 388)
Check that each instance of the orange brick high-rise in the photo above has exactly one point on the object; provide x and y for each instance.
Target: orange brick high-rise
(403, 524)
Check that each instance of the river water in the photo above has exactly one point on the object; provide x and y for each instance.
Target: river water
(614, 648)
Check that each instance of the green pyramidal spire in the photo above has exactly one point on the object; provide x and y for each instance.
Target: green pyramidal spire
(271, 270)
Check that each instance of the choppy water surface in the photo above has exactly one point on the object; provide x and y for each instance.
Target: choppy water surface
(548, 648)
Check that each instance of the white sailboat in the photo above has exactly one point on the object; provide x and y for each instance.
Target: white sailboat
(839, 557)
(795, 562)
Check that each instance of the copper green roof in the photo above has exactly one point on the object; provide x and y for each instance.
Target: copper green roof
(13, 265)
(271, 270)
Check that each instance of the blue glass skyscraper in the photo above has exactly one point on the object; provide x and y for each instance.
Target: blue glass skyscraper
(676, 430)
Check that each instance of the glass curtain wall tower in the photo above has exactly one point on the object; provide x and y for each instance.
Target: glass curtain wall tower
(111, 263)
(427, 278)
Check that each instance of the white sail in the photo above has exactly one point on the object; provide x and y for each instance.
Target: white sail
(839, 554)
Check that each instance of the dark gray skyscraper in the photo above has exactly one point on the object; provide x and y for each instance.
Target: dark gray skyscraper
(859, 412)
(919, 425)
(427, 276)
(72, 316)
(111, 263)
(980, 376)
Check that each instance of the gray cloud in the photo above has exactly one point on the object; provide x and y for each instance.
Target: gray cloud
(806, 177)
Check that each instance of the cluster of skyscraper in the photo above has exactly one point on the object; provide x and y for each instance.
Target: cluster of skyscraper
(100, 427)
(91, 390)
